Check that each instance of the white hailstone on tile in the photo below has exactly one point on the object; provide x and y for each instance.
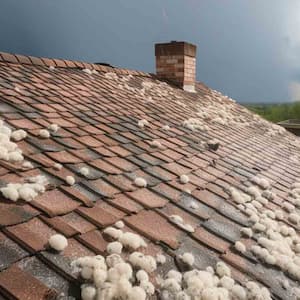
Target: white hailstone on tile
(57, 166)
(142, 123)
(15, 156)
(184, 179)
(166, 127)
(27, 165)
(18, 135)
(10, 192)
(3, 153)
(87, 71)
(188, 258)
(264, 183)
(222, 269)
(51, 68)
(141, 275)
(288, 206)
(270, 214)
(176, 219)
(84, 171)
(256, 204)
(253, 191)
(113, 232)
(86, 272)
(194, 205)
(247, 232)
(171, 285)
(226, 282)
(27, 193)
(174, 275)
(113, 259)
(145, 262)
(254, 218)
(180, 222)
(238, 196)
(155, 144)
(44, 133)
(114, 247)
(294, 218)
(148, 287)
(262, 200)
(259, 227)
(161, 259)
(240, 247)
(119, 224)
(137, 293)
(58, 242)
(297, 202)
(279, 214)
(88, 292)
(99, 276)
(70, 180)
(140, 182)
(132, 240)
(239, 292)
(284, 230)
(54, 127)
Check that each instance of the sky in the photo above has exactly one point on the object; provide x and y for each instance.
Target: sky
(247, 49)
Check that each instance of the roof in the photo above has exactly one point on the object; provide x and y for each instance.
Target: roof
(98, 115)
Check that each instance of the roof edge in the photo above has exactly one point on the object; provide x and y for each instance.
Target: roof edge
(63, 63)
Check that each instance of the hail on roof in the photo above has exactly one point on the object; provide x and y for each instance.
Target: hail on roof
(58, 242)
(70, 180)
(84, 171)
(178, 220)
(54, 127)
(25, 191)
(44, 133)
(140, 182)
(18, 135)
(278, 244)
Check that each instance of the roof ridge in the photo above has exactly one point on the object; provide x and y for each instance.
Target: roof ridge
(64, 63)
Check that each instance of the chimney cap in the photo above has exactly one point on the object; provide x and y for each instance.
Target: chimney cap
(175, 48)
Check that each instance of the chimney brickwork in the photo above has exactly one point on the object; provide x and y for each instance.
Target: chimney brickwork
(176, 62)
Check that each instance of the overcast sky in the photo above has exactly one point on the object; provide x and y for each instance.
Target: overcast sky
(248, 49)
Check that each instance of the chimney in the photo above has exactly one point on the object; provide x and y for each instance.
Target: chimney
(176, 62)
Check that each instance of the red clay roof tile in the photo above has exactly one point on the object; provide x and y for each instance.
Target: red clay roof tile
(33, 235)
(147, 198)
(97, 215)
(55, 203)
(147, 222)
(18, 284)
(11, 214)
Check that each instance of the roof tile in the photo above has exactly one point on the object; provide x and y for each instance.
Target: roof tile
(147, 222)
(33, 235)
(97, 215)
(147, 198)
(13, 281)
(11, 214)
(94, 240)
(10, 252)
(55, 203)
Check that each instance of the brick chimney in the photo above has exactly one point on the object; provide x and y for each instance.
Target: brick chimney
(176, 62)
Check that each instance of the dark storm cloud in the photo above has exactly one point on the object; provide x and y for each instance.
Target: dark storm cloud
(246, 48)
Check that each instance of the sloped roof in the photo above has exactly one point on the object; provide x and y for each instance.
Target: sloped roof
(98, 114)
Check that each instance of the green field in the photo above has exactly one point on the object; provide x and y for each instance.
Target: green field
(276, 112)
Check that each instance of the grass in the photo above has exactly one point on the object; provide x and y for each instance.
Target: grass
(276, 112)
